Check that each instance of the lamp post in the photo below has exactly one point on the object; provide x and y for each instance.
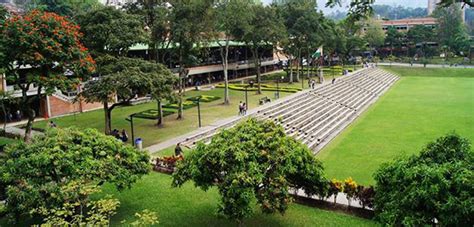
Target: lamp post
(246, 98)
(130, 119)
(278, 88)
(199, 110)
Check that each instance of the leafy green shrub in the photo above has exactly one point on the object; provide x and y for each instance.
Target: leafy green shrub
(203, 98)
(255, 160)
(186, 105)
(35, 174)
(153, 113)
(265, 87)
(437, 184)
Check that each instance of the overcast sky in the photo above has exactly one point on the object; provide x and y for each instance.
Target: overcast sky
(406, 3)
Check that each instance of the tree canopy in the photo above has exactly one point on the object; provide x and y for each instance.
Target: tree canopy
(35, 174)
(452, 32)
(253, 160)
(125, 79)
(437, 184)
(49, 46)
(111, 31)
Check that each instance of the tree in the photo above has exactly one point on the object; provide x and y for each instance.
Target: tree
(265, 29)
(451, 30)
(393, 38)
(6, 98)
(78, 209)
(231, 19)
(110, 31)
(68, 8)
(190, 27)
(421, 34)
(305, 28)
(435, 186)
(123, 79)
(361, 9)
(155, 15)
(374, 34)
(35, 174)
(253, 160)
(343, 39)
(162, 87)
(48, 46)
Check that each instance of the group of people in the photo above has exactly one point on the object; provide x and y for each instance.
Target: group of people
(123, 136)
(242, 108)
(14, 117)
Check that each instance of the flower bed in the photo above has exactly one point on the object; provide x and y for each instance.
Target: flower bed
(203, 98)
(166, 164)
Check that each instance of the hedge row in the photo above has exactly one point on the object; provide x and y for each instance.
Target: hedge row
(172, 108)
(264, 87)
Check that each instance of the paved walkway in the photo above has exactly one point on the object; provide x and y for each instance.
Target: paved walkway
(427, 66)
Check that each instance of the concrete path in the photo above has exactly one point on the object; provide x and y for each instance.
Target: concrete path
(20, 131)
(427, 66)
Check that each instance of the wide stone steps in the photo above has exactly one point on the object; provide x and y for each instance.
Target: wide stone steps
(316, 116)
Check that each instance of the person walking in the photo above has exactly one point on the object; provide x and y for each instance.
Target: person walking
(178, 150)
(241, 108)
(333, 81)
(244, 109)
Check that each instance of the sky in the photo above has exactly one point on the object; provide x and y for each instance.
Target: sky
(406, 3)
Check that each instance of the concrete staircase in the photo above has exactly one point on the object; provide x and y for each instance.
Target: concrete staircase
(316, 116)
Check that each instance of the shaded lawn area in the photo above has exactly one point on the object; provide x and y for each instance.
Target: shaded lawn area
(422, 106)
(147, 129)
(190, 206)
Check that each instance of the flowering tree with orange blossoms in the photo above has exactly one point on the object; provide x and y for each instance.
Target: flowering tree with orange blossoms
(42, 50)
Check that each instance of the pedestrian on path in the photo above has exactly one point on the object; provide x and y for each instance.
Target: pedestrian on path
(241, 108)
(244, 109)
(178, 150)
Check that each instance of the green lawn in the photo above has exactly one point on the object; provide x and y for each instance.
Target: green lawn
(147, 129)
(423, 105)
(190, 206)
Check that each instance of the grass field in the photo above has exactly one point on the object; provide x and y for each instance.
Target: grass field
(148, 131)
(190, 206)
(423, 105)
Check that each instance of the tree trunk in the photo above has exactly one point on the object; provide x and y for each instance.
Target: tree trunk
(290, 64)
(160, 113)
(259, 87)
(108, 119)
(298, 58)
(31, 117)
(308, 65)
(180, 96)
(4, 117)
(225, 65)
(257, 66)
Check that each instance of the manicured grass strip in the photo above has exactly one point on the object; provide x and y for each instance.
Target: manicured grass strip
(190, 206)
(422, 106)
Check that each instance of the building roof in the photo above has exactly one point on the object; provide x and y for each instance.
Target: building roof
(411, 21)
(211, 44)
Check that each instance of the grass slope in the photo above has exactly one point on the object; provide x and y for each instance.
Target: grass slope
(190, 206)
(423, 105)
